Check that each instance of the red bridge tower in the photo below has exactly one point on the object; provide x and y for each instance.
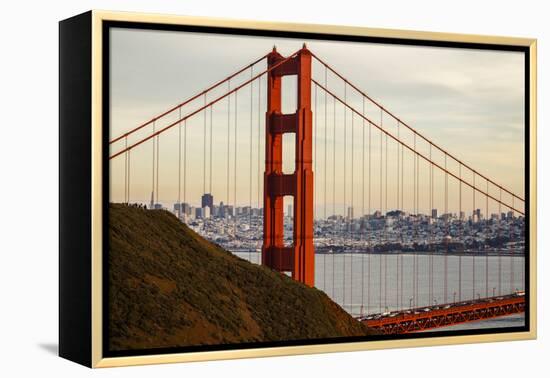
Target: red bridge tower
(299, 259)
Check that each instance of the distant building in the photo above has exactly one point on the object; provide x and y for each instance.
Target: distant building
(199, 212)
(289, 212)
(434, 213)
(229, 211)
(215, 211)
(350, 212)
(181, 207)
(462, 215)
(186, 208)
(477, 215)
(207, 199)
(206, 212)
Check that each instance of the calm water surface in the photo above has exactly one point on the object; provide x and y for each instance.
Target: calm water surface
(372, 283)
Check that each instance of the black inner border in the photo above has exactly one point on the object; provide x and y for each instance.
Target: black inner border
(106, 25)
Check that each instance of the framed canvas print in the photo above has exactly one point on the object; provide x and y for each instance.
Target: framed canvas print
(235, 189)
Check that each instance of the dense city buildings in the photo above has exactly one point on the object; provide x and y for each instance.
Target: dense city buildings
(207, 200)
(241, 229)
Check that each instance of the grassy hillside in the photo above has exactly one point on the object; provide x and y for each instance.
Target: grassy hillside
(170, 287)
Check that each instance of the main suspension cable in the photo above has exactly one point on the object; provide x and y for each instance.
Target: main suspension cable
(410, 148)
(187, 101)
(408, 126)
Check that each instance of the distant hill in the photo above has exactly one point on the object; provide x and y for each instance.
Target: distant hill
(170, 287)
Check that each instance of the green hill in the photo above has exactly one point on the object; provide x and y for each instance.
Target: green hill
(170, 287)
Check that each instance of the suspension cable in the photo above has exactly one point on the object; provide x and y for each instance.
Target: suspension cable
(385, 224)
(228, 159)
(185, 163)
(204, 149)
(486, 241)
(512, 250)
(315, 136)
(499, 246)
(402, 208)
(179, 168)
(432, 238)
(235, 172)
(129, 171)
(325, 179)
(158, 159)
(333, 186)
(362, 224)
(369, 230)
(473, 226)
(446, 266)
(380, 231)
(250, 165)
(211, 103)
(351, 214)
(126, 173)
(259, 141)
(345, 213)
(315, 133)
(153, 172)
(211, 151)
(397, 257)
(158, 168)
(259, 148)
(408, 126)
(417, 194)
(415, 225)
(419, 155)
(180, 105)
(461, 233)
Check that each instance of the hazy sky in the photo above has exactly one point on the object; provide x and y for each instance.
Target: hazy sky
(469, 101)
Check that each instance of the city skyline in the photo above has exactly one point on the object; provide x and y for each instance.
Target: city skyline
(473, 214)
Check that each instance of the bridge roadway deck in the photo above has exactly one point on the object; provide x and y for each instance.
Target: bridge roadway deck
(424, 318)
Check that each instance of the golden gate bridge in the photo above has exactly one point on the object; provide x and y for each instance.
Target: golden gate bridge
(375, 163)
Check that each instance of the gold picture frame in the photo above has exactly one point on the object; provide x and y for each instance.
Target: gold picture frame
(91, 24)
